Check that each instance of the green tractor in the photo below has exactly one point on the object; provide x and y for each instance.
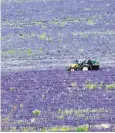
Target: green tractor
(84, 65)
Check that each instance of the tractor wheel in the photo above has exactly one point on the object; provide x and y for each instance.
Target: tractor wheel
(85, 68)
(72, 70)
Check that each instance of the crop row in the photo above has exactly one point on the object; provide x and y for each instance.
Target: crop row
(47, 100)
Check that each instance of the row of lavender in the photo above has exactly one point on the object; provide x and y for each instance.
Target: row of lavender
(53, 100)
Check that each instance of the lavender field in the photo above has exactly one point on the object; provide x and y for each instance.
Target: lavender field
(40, 39)
(55, 100)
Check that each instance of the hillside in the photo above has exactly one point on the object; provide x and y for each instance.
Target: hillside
(53, 33)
